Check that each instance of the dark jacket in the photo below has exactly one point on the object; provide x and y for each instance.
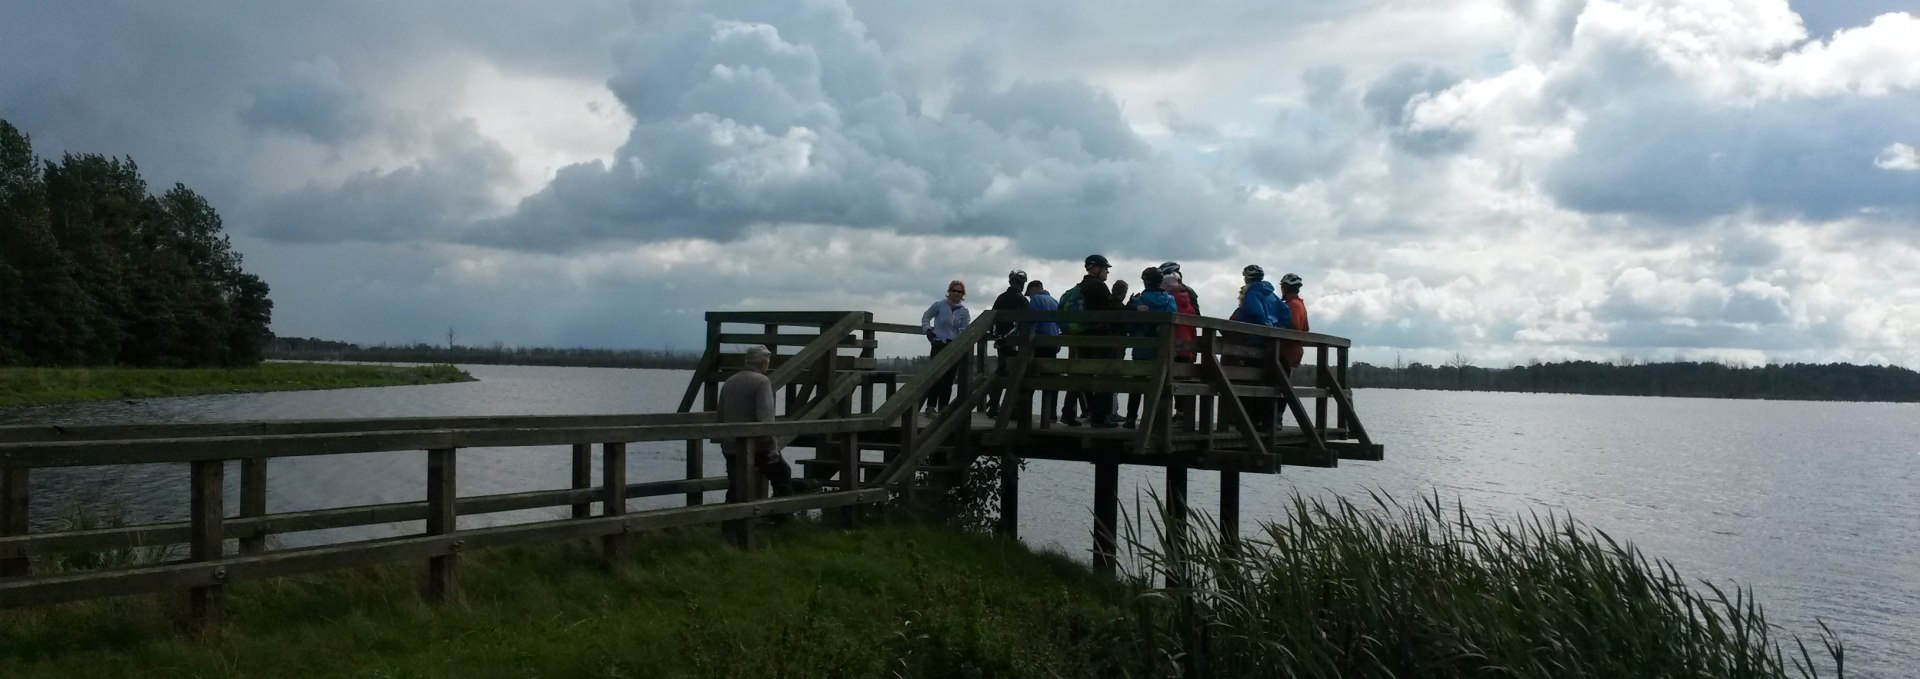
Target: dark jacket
(1097, 298)
(1014, 299)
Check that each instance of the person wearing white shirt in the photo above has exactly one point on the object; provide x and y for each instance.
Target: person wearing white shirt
(944, 320)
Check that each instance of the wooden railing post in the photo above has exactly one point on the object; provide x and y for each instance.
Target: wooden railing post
(613, 477)
(1176, 524)
(206, 606)
(1320, 381)
(850, 477)
(709, 402)
(1106, 515)
(253, 501)
(1344, 426)
(1230, 510)
(441, 520)
(1009, 524)
(13, 517)
(582, 478)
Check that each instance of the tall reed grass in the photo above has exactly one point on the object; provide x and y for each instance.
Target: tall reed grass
(1381, 588)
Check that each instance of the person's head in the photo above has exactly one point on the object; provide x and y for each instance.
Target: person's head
(1169, 269)
(1098, 266)
(1290, 283)
(1120, 288)
(1016, 278)
(956, 291)
(758, 358)
(1035, 287)
(1151, 278)
(1253, 272)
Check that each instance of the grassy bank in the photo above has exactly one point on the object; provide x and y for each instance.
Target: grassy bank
(1338, 591)
(35, 386)
(815, 603)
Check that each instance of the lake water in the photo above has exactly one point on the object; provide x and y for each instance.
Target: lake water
(1814, 505)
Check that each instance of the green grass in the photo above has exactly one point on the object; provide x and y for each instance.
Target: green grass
(1336, 590)
(35, 386)
(814, 602)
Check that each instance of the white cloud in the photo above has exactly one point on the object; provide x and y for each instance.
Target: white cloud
(1898, 157)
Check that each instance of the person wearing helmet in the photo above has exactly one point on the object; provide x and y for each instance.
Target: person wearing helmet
(1186, 301)
(1259, 305)
(1291, 351)
(1096, 296)
(1006, 342)
(1152, 297)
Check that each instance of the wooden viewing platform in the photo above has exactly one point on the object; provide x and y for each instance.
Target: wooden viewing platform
(871, 446)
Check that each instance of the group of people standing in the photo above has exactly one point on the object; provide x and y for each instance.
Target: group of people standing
(1162, 289)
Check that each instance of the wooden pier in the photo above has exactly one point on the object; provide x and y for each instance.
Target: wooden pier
(1240, 412)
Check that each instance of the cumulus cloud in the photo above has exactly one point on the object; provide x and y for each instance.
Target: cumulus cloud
(308, 99)
(1898, 157)
(782, 112)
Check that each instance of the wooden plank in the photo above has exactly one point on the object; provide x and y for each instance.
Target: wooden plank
(253, 500)
(1093, 341)
(1176, 525)
(1351, 416)
(13, 518)
(824, 406)
(906, 402)
(1016, 376)
(807, 318)
(897, 328)
(206, 604)
(613, 478)
(1293, 403)
(1230, 510)
(1234, 373)
(110, 432)
(900, 469)
(732, 363)
(790, 340)
(1128, 385)
(1096, 367)
(441, 520)
(1150, 412)
(786, 374)
(85, 453)
(21, 592)
(147, 535)
(1236, 414)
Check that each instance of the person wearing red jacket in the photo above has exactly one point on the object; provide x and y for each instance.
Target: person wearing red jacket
(1290, 351)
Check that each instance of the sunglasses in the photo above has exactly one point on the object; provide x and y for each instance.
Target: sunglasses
(954, 290)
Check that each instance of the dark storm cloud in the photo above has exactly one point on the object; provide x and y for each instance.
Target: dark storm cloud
(1810, 158)
(427, 200)
(309, 99)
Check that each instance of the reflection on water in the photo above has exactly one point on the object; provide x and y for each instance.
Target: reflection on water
(1812, 504)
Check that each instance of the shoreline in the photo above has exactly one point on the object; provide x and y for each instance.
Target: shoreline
(26, 387)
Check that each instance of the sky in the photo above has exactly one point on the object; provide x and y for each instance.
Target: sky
(1500, 180)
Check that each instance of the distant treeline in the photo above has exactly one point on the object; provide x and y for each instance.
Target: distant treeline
(1793, 381)
(96, 271)
(309, 349)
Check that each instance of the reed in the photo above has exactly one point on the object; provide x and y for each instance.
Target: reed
(1381, 588)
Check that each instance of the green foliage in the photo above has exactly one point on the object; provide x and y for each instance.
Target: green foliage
(1794, 381)
(79, 514)
(1429, 591)
(33, 386)
(96, 271)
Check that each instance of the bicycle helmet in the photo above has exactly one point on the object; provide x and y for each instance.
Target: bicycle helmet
(1290, 280)
(1253, 272)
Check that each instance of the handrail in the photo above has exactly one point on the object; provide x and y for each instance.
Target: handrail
(137, 451)
(30, 433)
(1162, 317)
(907, 399)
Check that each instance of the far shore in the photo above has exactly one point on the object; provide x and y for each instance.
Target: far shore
(43, 386)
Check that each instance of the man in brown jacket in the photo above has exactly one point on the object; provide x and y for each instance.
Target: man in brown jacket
(747, 396)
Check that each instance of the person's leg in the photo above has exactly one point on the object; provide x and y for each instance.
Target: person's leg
(733, 477)
(778, 473)
(933, 393)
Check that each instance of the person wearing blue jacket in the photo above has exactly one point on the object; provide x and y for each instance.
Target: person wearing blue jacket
(1261, 306)
(1153, 298)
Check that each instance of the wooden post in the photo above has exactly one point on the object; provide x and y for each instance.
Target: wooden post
(1320, 403)
(1230, 509)
(1176, 518)
(746, 483)
(1106, 515)
(613, 476)
(13, 516)
(1009, 524)
(850, 477)
(441, 520)
(1342, 375)
(206, 510)
(253, 501)
(582, 477)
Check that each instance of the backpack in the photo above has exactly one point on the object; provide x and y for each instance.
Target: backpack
(1073, 300)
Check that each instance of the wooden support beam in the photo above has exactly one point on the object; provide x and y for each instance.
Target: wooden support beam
(1310, 429)
(1320, 404)
(1230, 509)
(1009, 523)
(206, 604)
(850, 478)
(696, 468)
(442, 493)
(1106, 516)
(1176, 528)
(1236, 414)
(13, 517)
(613, 480)
(253, 501)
